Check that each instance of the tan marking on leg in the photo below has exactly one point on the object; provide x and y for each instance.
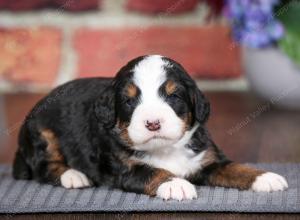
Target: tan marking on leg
(159, 177)
(56, 160)
(170, 87)
(235, 175)
(209, 157)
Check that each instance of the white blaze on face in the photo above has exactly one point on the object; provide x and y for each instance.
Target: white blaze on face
(149, 75)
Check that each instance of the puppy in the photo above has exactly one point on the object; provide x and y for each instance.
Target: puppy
(142, 131)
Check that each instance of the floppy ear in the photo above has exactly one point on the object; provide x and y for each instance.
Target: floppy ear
(104, 108)
(201, 106)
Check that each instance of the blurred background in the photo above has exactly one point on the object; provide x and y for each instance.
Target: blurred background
(244, 55)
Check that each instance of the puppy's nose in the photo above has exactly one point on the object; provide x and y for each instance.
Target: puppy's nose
(152, 125)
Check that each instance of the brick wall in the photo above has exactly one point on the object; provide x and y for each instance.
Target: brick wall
(69, 5)
(42, 48)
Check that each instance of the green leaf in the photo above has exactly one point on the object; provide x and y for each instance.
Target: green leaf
(289, 15)
(290, 44)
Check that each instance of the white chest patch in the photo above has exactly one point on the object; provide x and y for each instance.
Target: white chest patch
(177, 159)
(180, 162)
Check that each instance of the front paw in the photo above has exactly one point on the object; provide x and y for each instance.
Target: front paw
(178, 189)
(74, 179)
(268, 182)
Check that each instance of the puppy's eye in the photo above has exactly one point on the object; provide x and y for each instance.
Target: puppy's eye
(130, 102)
(173, 97)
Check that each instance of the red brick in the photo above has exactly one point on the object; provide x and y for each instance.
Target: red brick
(3, 4)
(165, 6)
(205, 52)
(77, 5)
(71, 5)
(25, 4)
(30, 55)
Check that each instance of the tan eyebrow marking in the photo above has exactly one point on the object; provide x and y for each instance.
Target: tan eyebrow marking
(170, 87)
(131, 90)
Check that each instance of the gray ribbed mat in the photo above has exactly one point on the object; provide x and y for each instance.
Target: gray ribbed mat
(29, 197)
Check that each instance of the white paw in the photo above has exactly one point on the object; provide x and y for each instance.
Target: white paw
(178, 189)
(269, 182)
(74, 179)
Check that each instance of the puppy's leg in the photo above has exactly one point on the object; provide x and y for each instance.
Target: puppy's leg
(245, 177)
(72, 178)
(144, 179)
(53, 168)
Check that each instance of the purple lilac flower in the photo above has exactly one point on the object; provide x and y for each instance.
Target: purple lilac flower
(253, 23)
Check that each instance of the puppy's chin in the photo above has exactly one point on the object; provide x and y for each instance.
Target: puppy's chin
(155, 144)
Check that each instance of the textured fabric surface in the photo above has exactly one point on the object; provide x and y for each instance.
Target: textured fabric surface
(30, 196)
